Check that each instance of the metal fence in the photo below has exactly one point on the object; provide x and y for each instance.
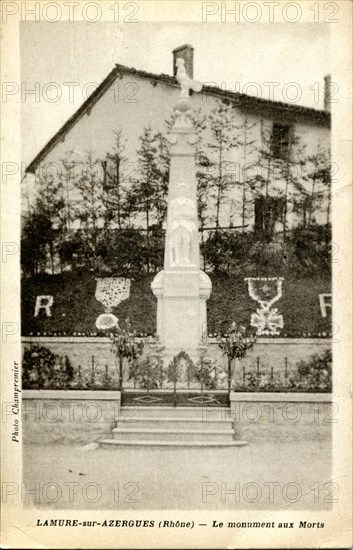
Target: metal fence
(148, 376)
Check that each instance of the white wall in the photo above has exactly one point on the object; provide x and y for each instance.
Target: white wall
(133, 102)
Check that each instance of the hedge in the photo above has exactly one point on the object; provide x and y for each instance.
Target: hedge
(75, 307)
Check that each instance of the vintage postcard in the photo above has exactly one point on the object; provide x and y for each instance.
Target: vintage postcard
(176, 286)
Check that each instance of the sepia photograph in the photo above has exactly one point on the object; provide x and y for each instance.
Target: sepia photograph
(177, 275)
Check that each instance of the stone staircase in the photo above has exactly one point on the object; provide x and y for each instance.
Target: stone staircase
(173, 427)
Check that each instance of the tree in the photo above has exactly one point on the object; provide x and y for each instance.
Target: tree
(47, 219)
(203, 167)
(221, 124)
(113, 181)
(262, 177)
(90, 210)
(319, 178)
(25, 195)
(203, 175)
(127, 251)
(265, 163)
(124, 345)
(327, 183)
(37, 232)
(279, 179)
(147, 196)
(246, 143)
(70, 173)
(236, 344)
(290, 171)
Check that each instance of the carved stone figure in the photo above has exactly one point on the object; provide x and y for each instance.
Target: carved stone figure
(185, 82)
(182, 227)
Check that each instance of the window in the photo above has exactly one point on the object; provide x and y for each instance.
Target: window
(111, 172)
(280, 140)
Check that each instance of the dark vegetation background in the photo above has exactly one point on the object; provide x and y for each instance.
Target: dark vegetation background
(75, 307)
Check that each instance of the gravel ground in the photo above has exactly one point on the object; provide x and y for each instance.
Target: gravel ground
(74, 477)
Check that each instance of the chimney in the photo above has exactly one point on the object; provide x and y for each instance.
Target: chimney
(327, 93)
(187, 53)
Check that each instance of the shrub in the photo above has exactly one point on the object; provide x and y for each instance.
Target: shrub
(225, 251)
(316, 373)
(42, 369)
(311, 248)
(313, 375)
(269, 257)
(237, 342)
(147, 374)
(211, 375)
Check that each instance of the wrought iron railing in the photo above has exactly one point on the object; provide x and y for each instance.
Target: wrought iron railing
(150, 374)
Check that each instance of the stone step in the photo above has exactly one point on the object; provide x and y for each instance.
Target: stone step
(170, 422)
(111, 443)
(154, 426)
(172, 435)
(202, 413)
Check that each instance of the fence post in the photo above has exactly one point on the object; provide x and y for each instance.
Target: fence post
(148, 374)
(258, 366)
(134, 371)
(106, 374)
(201, 375)
(161, 372)
(229, 374)
(174, 383)
(285, 370)
(120, 371)
(92, 371)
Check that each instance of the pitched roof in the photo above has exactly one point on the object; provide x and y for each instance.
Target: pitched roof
(246, 102)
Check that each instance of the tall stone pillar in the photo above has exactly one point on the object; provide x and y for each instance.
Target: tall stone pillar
(182, 288)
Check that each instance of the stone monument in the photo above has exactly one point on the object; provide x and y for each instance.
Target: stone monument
(182, 289)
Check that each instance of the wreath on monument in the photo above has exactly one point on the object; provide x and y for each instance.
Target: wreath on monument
(178, 366)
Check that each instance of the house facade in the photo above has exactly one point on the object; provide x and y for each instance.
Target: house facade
(131, 100)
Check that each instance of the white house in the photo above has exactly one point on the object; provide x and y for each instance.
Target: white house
(129, 99)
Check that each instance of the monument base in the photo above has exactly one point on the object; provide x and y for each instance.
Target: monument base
(181, 309)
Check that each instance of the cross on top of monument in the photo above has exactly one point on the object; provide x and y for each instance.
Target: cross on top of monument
(185, 82)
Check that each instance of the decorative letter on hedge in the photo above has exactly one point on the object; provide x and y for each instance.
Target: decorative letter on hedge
(43, 302)
(325, 302)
